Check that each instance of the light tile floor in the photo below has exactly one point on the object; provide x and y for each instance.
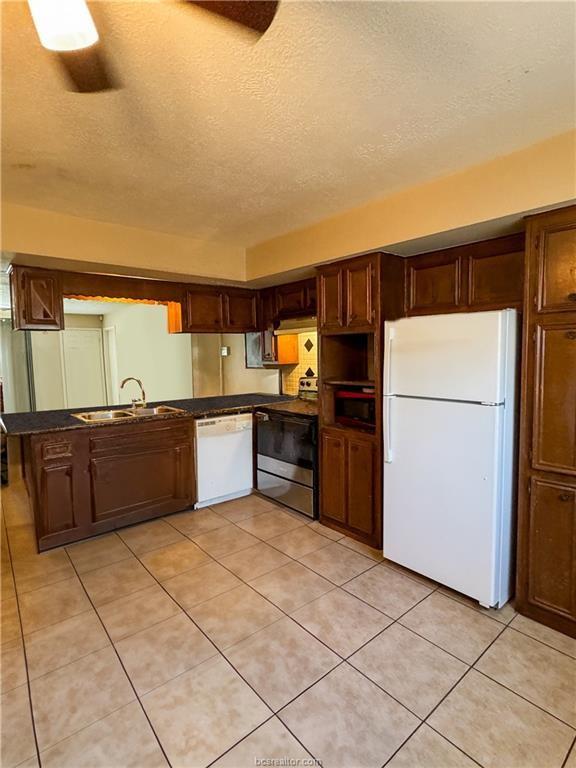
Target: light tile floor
(244, 632)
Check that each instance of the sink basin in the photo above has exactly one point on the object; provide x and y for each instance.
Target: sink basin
(158, 410)
(93, 416)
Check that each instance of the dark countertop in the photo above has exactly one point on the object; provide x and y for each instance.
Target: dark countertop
(56, 421)
(298, 407)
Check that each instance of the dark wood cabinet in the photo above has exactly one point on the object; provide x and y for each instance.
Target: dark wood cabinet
(215, 310)
(361, 454)
(204, 311)
(480, 276)
(359, 278)
(348, 497)
(495, 280)
(241, 311)
(87, 481)
(551, 533)
(546, 581)
(267, 304)
(331, 299)
(554, 428)
(555, 245)
(296, 299)
(333, 476)
(433, 283)
(348, 295)
(37, 301)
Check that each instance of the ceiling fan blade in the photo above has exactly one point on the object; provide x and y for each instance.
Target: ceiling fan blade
(254, 14)
(88, 70)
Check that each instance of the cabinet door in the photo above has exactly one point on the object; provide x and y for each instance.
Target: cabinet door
(37, 302)
(552, 547)
(311, 300)
(360, 299)
(333, 476)
(554, 432)
(291, 299)
(60, 489)
(433, 284)
(204, 309)
(360, 496)
(241, 311)
(496, 280)
(141, 472)
(556, 253)
(268, 309)
(331, 299)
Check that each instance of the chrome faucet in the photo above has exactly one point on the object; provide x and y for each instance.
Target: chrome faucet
(136, 403)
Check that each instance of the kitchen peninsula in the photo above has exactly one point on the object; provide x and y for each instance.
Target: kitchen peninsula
(86, 479)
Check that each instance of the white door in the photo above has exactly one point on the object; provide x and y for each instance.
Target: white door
(441, 511)
(84, 378)
(453, 357)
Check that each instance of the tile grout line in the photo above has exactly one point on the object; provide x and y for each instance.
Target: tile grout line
(221, 654)
(28, 684)
(123, 668)
(570, 751)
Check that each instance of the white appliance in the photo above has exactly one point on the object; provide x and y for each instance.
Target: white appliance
(449, 406)
(224, 465)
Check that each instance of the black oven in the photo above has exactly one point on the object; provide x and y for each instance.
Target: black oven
(287, 459)
(355, 407)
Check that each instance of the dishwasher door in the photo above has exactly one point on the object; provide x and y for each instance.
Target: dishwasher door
(224, 463)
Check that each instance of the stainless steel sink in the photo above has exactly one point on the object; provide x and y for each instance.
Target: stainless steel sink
(158, 410)
(93, 416)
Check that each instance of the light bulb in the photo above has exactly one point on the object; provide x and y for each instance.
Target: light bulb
(63, 25)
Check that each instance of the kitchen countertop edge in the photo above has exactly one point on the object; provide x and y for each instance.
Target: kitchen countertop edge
(40, 422)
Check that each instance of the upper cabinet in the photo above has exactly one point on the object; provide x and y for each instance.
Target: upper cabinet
(296, 299)
(37, 303)
(241, 310)
(348, 295)
(433, 283)
(287, 301)
(479, 276)
(211, 309)
(555, 244)
(204, 309)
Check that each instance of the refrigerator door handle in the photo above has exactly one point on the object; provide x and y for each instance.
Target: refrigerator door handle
(388, 337)
(388, 429)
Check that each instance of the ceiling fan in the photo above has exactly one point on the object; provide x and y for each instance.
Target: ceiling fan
(67, 29)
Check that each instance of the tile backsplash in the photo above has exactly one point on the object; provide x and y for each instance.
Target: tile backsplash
(307, 362)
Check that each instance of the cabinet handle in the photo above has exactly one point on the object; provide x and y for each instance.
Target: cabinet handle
(565, 496)
(571, 335)
(571, 297)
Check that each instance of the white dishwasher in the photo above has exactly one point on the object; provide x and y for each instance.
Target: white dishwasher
(224, 463)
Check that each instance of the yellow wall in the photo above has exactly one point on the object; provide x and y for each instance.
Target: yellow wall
(539, 176)
(31, 230)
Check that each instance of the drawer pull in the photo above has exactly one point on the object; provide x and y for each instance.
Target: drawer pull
(571, 334)
(565, 496)
(571, 297)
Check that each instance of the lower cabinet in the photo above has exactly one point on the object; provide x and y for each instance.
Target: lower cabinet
(88, 481)
(349, 500)
(551, 569)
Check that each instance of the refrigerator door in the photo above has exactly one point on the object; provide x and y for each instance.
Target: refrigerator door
(465, 356)
(442, 494)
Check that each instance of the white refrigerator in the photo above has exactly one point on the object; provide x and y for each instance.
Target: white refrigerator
(449, 408)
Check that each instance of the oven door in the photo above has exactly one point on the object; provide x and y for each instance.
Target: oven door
(286, 461)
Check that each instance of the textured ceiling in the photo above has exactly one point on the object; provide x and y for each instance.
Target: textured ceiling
(219, 137)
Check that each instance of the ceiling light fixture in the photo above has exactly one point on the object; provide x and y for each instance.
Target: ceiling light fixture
(63, 25)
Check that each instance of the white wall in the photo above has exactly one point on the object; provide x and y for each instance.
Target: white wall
(148, 352)
(237, 379)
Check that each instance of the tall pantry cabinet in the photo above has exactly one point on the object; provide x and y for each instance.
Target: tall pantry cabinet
(546, 588)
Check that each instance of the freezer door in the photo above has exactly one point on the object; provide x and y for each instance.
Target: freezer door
(468, 356)
(443, 494)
